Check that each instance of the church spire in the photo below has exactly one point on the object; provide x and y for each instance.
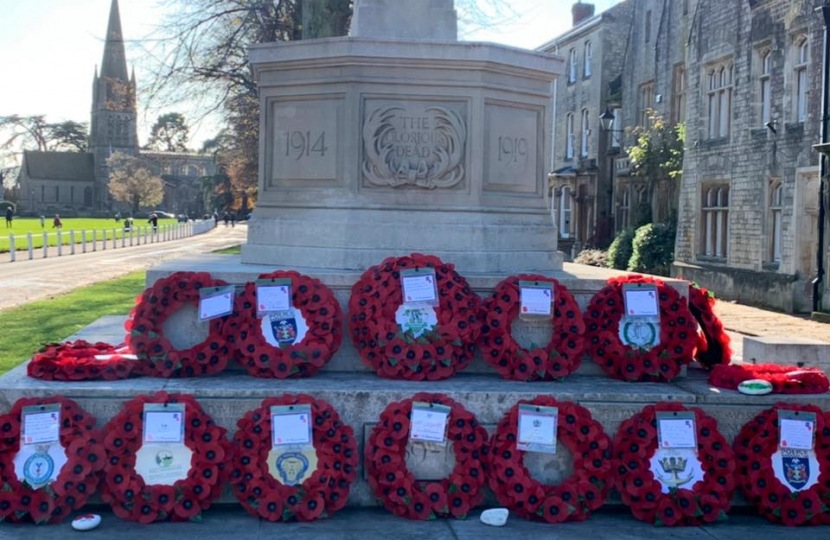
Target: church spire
(114, 64)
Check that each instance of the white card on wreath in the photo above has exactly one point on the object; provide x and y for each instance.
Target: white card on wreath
(641, 303)
(41, 424)
(537, 428)
(676, 430)
(419, 286)
(163, 424)
(291, 425)
(273, 298)
(216, 303)
(796, 434)
(536, 299)
(429, 423)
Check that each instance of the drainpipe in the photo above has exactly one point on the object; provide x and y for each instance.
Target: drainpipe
(822, 190)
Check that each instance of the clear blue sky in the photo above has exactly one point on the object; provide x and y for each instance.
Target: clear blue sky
(49, 49)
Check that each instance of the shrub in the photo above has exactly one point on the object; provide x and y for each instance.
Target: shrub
(592, 257)
(620, 250)
(653, 249)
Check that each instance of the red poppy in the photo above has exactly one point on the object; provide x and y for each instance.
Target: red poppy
(555, 510)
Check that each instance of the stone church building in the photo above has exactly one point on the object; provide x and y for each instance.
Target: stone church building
(72, 183)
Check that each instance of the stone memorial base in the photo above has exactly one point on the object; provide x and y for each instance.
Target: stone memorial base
(361, 397)
(788, 351)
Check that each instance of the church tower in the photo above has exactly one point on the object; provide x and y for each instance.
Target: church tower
(113, 123)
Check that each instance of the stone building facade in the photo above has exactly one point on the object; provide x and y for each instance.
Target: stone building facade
(748, 217)
(73, 183)
(581, 181)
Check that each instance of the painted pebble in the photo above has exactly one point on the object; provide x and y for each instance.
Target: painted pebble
(755, 387)
(495, 516)
(86, 522)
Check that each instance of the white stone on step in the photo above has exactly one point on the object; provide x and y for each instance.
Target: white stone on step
(86, 522)
(496, 517)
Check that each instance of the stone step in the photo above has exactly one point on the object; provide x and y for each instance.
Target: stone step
(360, 398)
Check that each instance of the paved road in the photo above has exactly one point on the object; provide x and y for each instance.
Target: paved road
(23, 280)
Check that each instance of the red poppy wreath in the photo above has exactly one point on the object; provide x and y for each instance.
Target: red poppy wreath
(784, 379)
(798, 493)
(713, 347)
(574, 498)
(48, 491)
(81, 361)
(168, 481)
(424, 342)
(295, 484)
(677, 334)
(294, 343)
(145, 329)
(673, 487)
(560, 357)
(398, 489)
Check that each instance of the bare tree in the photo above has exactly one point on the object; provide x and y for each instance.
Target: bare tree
(132, 183)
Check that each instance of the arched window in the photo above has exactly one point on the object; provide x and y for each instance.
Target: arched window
(565, 211)
(766, 86)
(572, 64)
(586, 134)
(569, 136)
(802, 56)
(720, 101)
(775, 208)
(715, 221)
(589, 55)
(623, 209)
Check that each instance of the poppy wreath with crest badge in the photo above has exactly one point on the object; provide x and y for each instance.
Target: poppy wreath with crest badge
(673, 487)
(789, 487)
(145, 329)
(653, 352)
(572, 499)
(40, 488)
(396, 486)
(421, 342)
(294, 484)
(293, 343)
(557, 359)
(200, 460)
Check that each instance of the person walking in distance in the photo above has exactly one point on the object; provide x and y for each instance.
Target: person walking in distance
(9, 217)
(154, 221)
(56, 223)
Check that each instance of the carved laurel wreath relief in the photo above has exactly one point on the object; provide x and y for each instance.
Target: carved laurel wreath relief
(424, 156)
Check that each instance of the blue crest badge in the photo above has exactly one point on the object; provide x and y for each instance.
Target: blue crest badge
(284, 328)
(796, 469)
(292, 467)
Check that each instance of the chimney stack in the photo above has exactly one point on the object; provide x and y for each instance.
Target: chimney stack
(582, 12)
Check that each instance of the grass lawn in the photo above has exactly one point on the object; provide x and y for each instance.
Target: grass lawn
(22, 226)
(27, 328)
(233, 250)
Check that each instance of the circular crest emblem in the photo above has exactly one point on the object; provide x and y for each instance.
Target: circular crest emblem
(38, 468)
(640, 334)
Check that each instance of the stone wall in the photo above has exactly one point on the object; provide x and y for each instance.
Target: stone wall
(751, 160)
